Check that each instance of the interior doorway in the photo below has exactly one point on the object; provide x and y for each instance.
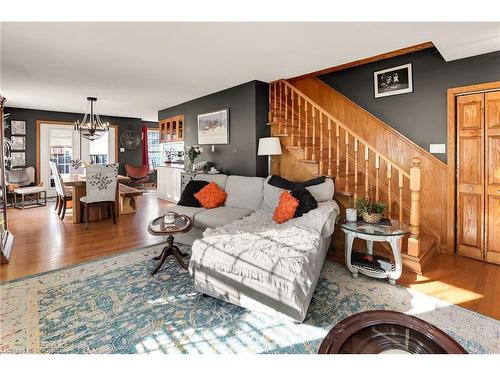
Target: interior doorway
(60, 143)
(474, 171)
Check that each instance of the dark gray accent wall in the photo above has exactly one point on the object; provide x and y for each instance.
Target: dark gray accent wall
(247, 105)
(421, 115)
(32, 115)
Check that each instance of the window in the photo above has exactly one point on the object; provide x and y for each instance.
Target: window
(98, 150)
(154, 149)
(61, 148)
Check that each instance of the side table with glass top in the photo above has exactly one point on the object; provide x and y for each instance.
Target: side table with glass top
(370, 264)
(158, 227)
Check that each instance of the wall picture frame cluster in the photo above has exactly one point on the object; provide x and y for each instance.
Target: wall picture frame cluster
(18, 146)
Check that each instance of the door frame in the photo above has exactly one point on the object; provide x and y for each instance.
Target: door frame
(452, 93)
(38, 125)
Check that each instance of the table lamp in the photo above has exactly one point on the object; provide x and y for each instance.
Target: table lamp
(269, 146)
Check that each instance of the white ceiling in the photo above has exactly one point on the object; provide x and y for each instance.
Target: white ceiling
(136, 69)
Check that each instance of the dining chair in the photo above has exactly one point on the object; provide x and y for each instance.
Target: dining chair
(101, 183)
(64, 193)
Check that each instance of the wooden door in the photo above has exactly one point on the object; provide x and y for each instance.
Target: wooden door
(470, 175)
(492, 189)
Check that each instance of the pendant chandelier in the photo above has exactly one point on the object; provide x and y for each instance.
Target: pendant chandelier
(91, 127)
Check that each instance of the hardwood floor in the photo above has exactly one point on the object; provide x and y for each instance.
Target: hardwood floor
(466, 282)
(43, 243)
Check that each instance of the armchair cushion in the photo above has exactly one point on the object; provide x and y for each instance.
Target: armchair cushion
(17, 177)
(136, 173)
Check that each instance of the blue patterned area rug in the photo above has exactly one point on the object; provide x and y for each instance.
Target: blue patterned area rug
(113, 305)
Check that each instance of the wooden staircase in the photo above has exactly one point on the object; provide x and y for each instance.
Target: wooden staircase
(317, 143)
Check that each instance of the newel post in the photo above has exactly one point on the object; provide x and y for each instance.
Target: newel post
(413, 240)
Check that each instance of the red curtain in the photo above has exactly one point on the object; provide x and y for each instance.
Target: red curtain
(145, 156)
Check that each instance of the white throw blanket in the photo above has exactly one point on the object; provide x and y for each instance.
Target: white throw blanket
(257, 248)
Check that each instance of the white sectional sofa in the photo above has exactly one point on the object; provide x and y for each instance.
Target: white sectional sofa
(241, 256)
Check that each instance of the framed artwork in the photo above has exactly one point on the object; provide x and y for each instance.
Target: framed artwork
(18, 142)
(17, 159)
(213, 128)
(393, 81)
(17, 127)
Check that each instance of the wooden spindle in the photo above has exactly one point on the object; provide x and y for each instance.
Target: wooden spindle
(400, 185)
(355, 169)
(313, 109)
(306, 142)
(275, 87)
(286, 110)
(281, 106)
(413, 240)
(299, 140)
(269, 111)
(377, 169)
(292, 138)
(329, 147)
(389, 197)
(321, 144)
(346, 142)
(337, 154)
(366, 170)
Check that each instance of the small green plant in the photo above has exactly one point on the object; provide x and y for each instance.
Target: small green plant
(365, 205)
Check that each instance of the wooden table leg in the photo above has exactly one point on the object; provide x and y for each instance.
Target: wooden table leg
(78, 192)
(117, 203)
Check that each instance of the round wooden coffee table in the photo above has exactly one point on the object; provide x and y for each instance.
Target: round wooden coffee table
(384, 332)
(158, 227)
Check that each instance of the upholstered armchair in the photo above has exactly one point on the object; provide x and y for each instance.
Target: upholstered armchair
(138, 175)
(21, 177)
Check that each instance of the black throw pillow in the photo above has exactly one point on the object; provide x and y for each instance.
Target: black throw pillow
(187, 197)
(283, 183)
(306, 201)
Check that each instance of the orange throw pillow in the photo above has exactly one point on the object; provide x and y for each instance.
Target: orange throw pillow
(286, 208)
(211, 196)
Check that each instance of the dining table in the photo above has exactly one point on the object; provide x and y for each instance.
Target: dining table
(78, 183)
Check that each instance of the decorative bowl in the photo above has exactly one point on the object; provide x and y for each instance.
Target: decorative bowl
(371, 218)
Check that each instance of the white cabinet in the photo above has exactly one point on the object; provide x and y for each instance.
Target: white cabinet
(169, 183)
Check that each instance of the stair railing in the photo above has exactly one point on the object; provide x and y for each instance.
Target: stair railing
(313, 117)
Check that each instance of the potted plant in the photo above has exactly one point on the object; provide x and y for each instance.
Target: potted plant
(370, 211)
(192, 152)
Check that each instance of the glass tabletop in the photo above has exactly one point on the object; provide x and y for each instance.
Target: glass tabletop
(394, 229)
(385, 331)
(159, 226)
(390, 339)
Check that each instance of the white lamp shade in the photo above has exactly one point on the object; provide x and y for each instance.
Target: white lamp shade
(269, 146)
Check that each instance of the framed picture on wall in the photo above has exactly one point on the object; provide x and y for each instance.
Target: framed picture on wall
(18, 159)
(17, 127)
(18, 142)
(213, 128)
(393, 81)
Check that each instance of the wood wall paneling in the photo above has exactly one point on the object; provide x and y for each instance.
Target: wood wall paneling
(394, 145)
